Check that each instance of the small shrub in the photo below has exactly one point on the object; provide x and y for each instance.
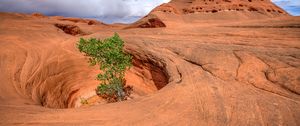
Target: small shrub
(113, 62)
(84, 101)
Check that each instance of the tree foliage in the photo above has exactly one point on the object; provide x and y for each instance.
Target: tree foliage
(113, 62)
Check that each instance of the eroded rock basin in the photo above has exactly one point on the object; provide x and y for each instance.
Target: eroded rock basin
(60, 82)
(146, 76)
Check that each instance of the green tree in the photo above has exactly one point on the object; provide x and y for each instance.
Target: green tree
(113, 62)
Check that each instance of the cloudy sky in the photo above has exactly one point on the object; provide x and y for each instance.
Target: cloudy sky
(109, 11)
(291, 6)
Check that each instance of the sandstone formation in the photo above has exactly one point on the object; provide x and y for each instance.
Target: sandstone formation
(80, 20)
(183, 7)
(194, 11)
(38, 15)
(69, 29)
(198, 70)
(149, 21)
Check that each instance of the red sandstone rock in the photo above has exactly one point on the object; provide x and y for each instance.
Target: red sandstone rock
(39, 15)
(69, 29)
(213, 6)
(148, 21)
(80, 20)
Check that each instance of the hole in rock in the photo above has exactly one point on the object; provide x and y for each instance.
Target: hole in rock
(70, 29)
(153, 23)
(151, 71)
(146, 76)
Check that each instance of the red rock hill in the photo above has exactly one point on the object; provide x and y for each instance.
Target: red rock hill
(191, 11)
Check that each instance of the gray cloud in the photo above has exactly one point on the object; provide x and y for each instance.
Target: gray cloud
(108, 10)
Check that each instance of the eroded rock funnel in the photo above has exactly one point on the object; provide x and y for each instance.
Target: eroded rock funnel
(54, 89)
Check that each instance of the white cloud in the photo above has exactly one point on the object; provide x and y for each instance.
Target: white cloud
(83, 8)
